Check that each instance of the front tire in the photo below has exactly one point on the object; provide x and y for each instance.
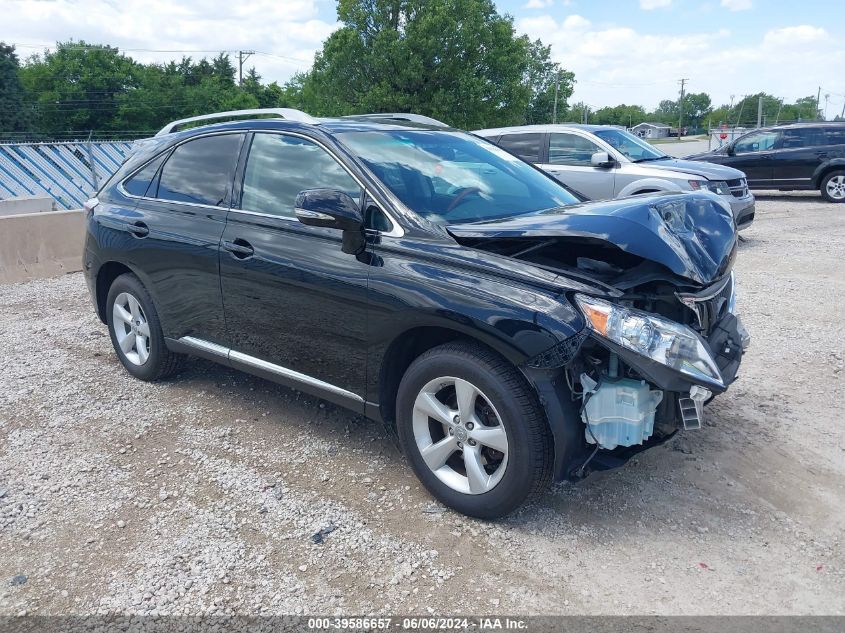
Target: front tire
(136, 332)
(833, 186)
(473, 430)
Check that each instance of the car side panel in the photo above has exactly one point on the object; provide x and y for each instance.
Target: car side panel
(794, 167)
(177, 260)
(419, 283)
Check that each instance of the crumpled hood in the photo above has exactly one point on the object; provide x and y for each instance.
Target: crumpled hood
(711, 171)
(691, 234)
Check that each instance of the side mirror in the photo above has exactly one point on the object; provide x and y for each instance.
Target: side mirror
(328, 208)
(602, 159)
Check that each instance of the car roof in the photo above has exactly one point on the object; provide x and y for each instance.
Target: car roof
(800, 124)
(330, 125)
(549, 127)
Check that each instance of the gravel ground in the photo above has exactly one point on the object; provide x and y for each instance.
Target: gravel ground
(206, 494)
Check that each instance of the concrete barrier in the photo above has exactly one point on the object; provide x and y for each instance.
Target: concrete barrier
(27, 204)
(36, 245)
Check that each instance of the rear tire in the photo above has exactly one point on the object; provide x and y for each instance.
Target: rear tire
(473, 430)
(833, 186)
(136, 333)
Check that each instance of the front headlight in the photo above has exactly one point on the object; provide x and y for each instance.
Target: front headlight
(717, 186)
(661, 340)
(720, 187)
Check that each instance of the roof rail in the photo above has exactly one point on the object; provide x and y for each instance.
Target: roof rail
(289, 114)
(399, 116)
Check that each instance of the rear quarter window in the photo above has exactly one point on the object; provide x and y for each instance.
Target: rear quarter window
(526, 146)
(139, 184)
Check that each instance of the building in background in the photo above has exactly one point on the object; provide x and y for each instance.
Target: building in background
(651, 130)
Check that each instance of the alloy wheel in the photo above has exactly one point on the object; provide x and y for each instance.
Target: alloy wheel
(460, 435)
(836, 187)
(131, 328)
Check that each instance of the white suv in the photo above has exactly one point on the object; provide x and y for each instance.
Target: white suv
(602, 161)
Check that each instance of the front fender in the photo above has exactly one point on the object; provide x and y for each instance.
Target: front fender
(651, 184)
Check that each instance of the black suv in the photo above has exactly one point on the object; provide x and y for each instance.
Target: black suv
(425, 278)
(787, 157)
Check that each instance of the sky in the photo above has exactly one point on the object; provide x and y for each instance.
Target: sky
(621, 51)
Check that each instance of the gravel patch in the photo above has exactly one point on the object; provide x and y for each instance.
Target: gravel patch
(220, 493)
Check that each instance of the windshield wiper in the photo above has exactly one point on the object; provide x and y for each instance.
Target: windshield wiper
(642, 160)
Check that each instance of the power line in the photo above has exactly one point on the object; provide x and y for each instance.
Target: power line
(99, 47)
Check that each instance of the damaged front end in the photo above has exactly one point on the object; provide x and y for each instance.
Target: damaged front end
(662, 336)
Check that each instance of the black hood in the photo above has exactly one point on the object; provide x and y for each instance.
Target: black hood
(691, 234)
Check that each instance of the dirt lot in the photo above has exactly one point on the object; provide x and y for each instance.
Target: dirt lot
(203, 495)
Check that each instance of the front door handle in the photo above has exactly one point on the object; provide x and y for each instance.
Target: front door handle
(139, 229)
(241, 249)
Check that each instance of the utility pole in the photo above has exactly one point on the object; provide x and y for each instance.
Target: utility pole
(760, 111)
(780, 107)
(557, 88)
(242, 57)
(681, 108)
(818, 97)
(826, 99)
(842, 115)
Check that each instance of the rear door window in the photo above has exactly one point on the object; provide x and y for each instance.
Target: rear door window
(201, 171)
(835, 136)
(526, 146)
(797, 138)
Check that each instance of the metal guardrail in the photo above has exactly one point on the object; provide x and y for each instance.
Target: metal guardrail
(67, 172)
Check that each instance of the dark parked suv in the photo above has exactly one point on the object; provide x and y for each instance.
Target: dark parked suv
(787, 157)
(425, 278)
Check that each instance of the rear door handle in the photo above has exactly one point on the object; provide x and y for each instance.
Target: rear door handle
(139, 229)
(239, 248)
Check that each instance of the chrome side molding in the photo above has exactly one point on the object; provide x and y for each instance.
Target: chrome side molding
(257, 363)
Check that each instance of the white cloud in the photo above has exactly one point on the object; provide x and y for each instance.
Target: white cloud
(795, 35)
(538, 4)
(649, 5)
(616, 64)
(290, 30)
(576, 22)
(737, 5)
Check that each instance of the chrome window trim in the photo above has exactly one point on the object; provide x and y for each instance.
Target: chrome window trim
(252, 361)
(396, 231)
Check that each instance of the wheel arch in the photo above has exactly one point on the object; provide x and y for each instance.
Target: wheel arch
(403, 350)
(104, 278)
(825, 168)
(648, 185)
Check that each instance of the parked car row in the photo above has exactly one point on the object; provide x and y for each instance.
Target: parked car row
(800, 156)
(509, 331)
(602, 161)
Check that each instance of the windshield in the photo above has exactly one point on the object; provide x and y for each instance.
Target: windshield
(631, 146)
(453, 177)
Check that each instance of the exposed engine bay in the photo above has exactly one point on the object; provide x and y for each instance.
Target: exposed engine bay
(662, 336)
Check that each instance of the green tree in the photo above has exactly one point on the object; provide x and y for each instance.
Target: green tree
(455, 60)
(14, 111)
(625, 115)
(76, 86)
